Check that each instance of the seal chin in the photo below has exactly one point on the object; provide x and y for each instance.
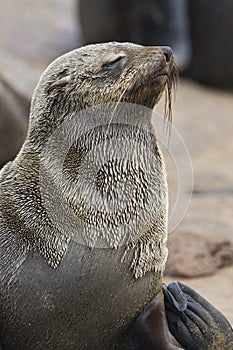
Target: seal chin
(162, 80)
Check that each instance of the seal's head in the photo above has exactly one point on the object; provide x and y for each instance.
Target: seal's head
(102, 73)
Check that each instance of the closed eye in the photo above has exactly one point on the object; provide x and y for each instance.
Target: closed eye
(113, 63)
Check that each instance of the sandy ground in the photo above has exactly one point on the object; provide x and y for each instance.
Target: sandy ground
(32, 34)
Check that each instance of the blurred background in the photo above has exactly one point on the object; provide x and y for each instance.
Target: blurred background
(200, 32)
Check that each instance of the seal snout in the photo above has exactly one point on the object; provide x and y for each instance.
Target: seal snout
(168, 53)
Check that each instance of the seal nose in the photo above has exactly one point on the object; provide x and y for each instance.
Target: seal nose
(167, 51)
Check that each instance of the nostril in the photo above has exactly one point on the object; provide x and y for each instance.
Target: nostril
(167, 51)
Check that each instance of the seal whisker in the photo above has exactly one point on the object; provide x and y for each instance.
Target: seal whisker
(170, 89)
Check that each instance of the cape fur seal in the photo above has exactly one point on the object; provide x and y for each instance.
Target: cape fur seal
(66, 289)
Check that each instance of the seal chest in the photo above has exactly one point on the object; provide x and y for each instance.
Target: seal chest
(84, 204)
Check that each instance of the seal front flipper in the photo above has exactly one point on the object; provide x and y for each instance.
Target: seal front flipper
(193, 321)
(150, 330)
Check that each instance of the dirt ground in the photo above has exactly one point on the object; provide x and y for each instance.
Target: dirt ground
(32, 34)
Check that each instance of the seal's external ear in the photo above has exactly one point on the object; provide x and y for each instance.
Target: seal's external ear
(59, 83)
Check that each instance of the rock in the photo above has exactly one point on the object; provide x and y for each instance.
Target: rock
(222, 253)
(191, 255)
